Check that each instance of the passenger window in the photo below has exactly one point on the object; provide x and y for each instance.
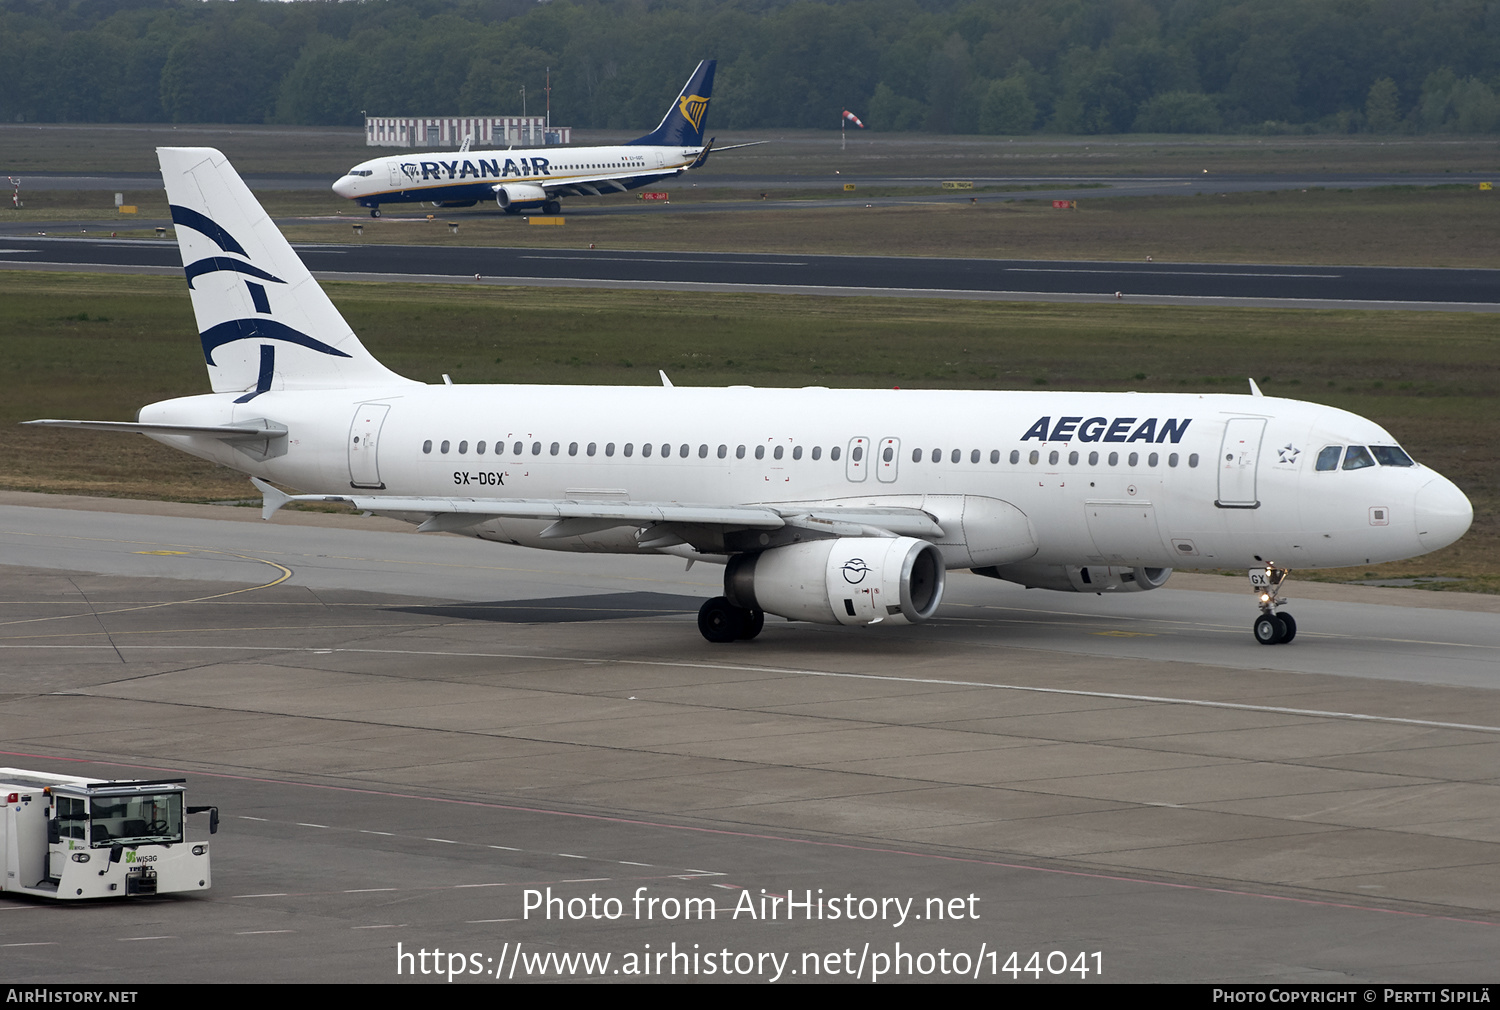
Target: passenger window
(723, 451)
(955, 455)
(974, 456)
(1193, 460)
(1390, 455)
(834, 453)
(1151, 460)
(609, 448)
(572, 448)
(1072, 459)
(536, 448)
(517, 449)
(1034, 457)
(797, 452)
(739, 452)
(916, 455)
(1015, 456)
(994, 455)
(1114, 459)
(646, 450)
(630, 448)
(817, 452)
(554, 448)
(479, 448)
(1328, 459)
(463, 447)
(889, 454)
(682, 450)
(858, 453)
(703, 452)
(760, 452)
(1172, 459)
(1093, 459)
(1357, 458)
(777, 452)
(1134, 458)
(444, 447)
(1052, 458)
(427, 446)
(666, 450)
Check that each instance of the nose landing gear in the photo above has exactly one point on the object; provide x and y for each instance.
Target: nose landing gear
(1271, 628)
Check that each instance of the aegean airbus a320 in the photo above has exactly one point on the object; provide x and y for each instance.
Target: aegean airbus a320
(839, 506)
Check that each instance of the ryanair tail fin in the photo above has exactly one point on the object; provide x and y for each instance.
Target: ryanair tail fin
(264, 322)
(682, 126)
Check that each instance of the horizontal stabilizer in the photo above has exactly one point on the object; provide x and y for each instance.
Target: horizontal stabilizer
(224, 432)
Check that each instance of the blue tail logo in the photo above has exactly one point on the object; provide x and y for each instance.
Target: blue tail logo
(682, 126)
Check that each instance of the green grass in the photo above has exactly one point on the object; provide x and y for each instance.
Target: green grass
(1431, 378)
(130, 147)
(1391, 226)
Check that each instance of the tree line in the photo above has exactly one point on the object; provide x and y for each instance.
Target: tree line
(1008, 67)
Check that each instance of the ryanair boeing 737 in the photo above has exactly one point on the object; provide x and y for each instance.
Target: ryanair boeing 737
(829, 505)
(535, 179)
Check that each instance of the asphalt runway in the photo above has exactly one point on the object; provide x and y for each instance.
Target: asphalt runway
(1153, 283)
(411, 737)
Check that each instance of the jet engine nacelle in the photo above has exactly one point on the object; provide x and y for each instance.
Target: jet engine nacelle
(850, 580)
(519, 192)
(1080, 578)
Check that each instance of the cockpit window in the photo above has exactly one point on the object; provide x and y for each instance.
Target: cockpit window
(1328, 459)
(1391, 455)
(1357, 458)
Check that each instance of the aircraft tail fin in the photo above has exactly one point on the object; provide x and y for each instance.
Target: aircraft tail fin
(264, 322)
(682, 126)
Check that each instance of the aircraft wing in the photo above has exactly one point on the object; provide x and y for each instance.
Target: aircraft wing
(574, 518)
(599, 182)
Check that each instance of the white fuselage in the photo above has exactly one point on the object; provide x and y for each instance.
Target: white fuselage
(1102, 478)
(458, 177)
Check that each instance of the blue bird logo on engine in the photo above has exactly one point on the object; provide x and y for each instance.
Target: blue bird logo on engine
(855, 571)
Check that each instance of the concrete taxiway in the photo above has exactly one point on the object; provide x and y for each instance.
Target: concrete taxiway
(412, 737)
(1225, 284)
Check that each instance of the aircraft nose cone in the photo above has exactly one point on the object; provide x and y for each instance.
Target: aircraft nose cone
(1443, 513)
(345, 187)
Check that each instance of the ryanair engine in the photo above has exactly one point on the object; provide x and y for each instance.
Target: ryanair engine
(519, 192)
(1080, 578)
(849, 580)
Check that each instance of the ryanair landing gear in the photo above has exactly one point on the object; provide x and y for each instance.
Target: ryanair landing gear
(374, 211)
(1271, 628)
(553, 207)
(721, 621)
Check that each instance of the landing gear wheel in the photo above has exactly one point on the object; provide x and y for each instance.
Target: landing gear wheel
(1269, 629)
(375, 212)
(754, 621)
(721, 621)
(552, 207)
(1291, 627)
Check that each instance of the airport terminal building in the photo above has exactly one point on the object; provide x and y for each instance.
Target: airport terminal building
(451, 131)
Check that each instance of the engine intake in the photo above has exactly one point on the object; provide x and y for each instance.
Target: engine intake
(519, 192)
(849, 580)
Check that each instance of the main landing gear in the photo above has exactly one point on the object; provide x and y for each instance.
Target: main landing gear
(1271, 628)
(722, 621)
(374, 211)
